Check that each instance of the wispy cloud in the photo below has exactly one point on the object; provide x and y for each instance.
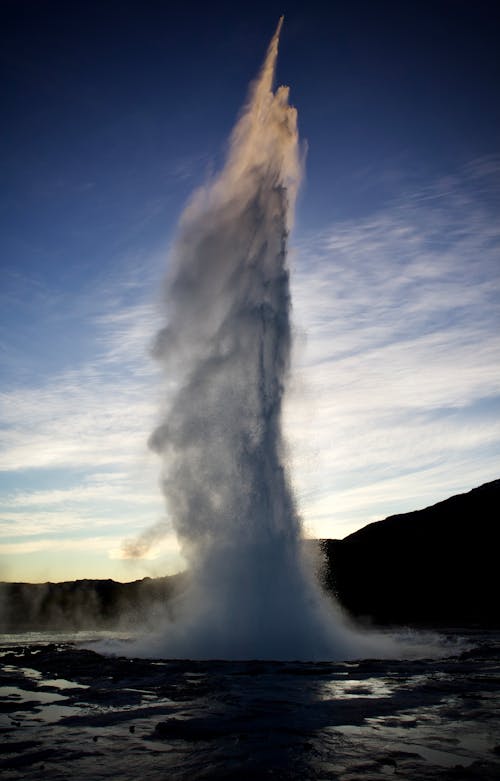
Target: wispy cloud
(79, 418)
(110, 488)
(400, 374)
(101, 544)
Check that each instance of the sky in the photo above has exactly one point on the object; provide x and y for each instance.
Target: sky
(113, 113)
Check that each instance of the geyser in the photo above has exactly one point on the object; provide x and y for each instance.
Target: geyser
(226, 346)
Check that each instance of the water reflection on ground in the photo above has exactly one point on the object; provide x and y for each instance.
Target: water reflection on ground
(67, 712)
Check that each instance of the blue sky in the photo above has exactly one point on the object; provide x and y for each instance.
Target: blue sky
(113, 114)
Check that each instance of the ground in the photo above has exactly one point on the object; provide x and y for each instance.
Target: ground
(67, 712)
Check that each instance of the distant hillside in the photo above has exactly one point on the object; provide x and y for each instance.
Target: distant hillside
(436, 566)
(433, 566)
(83, 604)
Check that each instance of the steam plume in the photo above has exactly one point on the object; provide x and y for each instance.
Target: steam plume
(227, 346)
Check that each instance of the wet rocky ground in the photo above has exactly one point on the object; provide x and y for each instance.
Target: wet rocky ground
(68, 713)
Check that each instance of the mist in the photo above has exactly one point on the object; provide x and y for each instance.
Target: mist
(225, 349)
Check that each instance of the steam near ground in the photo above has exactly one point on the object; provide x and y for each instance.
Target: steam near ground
(226, 349)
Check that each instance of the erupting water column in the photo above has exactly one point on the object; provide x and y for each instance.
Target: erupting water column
(227, 346)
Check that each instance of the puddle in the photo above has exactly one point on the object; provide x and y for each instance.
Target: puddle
(62, 683)
(437, 757)
(478, 742)
(16, 694)
(36, 677)
(368, 688)
(28, 672)
(53, 713)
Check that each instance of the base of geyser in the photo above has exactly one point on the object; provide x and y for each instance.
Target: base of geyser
(347, 643)
(292, 621)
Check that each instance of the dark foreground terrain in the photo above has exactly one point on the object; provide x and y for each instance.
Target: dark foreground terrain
(71, 713)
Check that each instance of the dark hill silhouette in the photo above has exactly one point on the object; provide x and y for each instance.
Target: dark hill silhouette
(436, 566)
(432, 567)
(83, 604)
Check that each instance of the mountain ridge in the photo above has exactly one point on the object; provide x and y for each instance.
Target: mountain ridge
(436, 565)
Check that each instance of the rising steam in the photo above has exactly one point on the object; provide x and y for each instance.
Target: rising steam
(227, 347)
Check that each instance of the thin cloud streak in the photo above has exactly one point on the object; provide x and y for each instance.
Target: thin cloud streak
(112, 492)
(99, 544)
(57, 522)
